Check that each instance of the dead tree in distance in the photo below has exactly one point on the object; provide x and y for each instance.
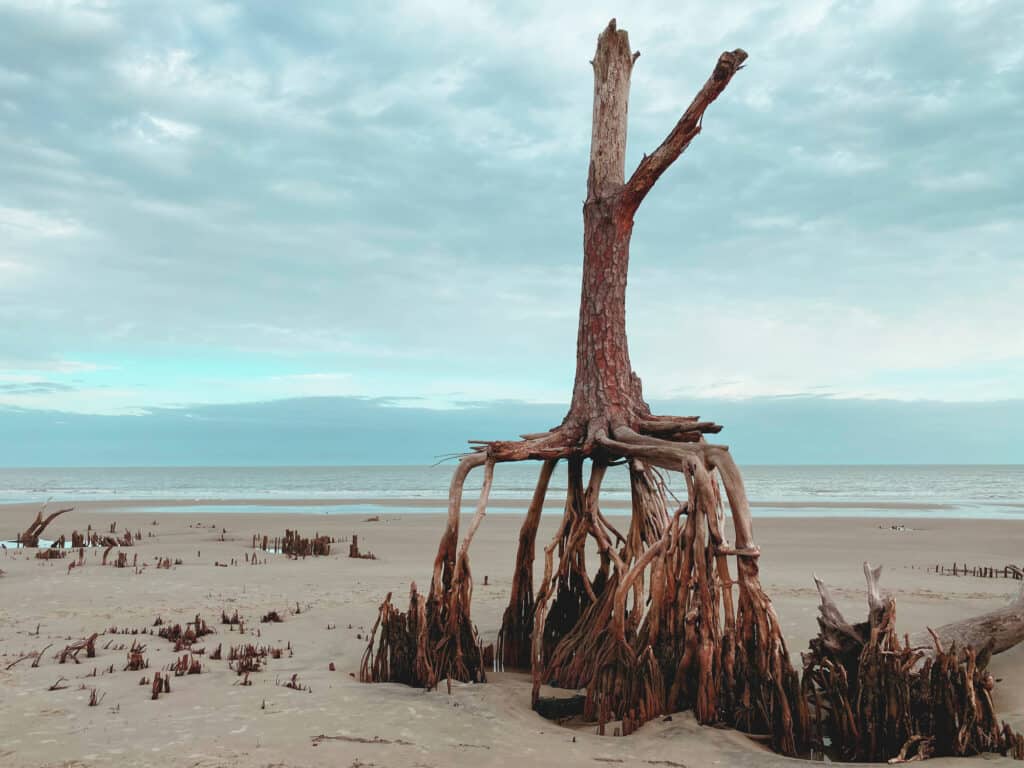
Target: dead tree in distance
(30, 538)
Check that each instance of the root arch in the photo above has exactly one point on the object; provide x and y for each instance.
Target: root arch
(673, 616)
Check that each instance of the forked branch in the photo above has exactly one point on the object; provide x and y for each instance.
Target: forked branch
(689, 125)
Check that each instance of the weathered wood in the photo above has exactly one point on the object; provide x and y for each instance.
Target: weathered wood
(31, 536)
(1003, 628)
(517, 622)
(877, 697)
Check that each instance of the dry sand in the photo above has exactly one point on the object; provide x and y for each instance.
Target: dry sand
(209, 720)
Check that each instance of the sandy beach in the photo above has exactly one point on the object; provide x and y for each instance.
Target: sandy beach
(329, 603)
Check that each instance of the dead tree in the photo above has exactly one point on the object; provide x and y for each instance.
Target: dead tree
(667, 620)
(30, 538)
(659, 627)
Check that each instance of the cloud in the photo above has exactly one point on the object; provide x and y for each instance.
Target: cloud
(34, 387)
(226, 200)
(965, 180)
(21, 222)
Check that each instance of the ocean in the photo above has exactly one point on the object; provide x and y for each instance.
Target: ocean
(973, 491)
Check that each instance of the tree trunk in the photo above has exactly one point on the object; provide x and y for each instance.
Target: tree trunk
(606, 391)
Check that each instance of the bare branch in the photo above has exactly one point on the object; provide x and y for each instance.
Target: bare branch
(689, 125)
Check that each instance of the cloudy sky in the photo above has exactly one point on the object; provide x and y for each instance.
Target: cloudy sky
(211, 203)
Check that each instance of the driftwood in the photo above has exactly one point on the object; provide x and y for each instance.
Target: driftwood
(136, 660)
(183, 637)
(353, 550)
(57, 685)
(30, 538)
(875, 697)
(109, 544)
(88, 644)
(1003, 628)
(161, 684)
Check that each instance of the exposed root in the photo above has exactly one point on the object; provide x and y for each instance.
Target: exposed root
(517, 623)
(878, 698)
(435, 639)
(662, 625)
(656, 628)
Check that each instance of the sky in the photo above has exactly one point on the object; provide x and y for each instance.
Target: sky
(240, 208)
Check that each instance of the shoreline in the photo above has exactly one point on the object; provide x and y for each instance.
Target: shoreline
(439, 503)
(367, 506)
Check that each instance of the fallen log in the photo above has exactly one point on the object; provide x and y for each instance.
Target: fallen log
(1003, 628)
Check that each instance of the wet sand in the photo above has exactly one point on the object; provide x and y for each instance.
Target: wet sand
(209, 720)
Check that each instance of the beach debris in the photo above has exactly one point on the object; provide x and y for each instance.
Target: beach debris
(353, 550)
(57, 685)
(35, 656)
(161, 684)
(109, 544)
(183, 637)
(247, 657)
(136, 660)
(294, 545)
(51, 554)
(87, 644)
(361, 740)
(295, 685)
(30, 537)
(187, 664)
(94, 701)
(876, 697)
(271, 617)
